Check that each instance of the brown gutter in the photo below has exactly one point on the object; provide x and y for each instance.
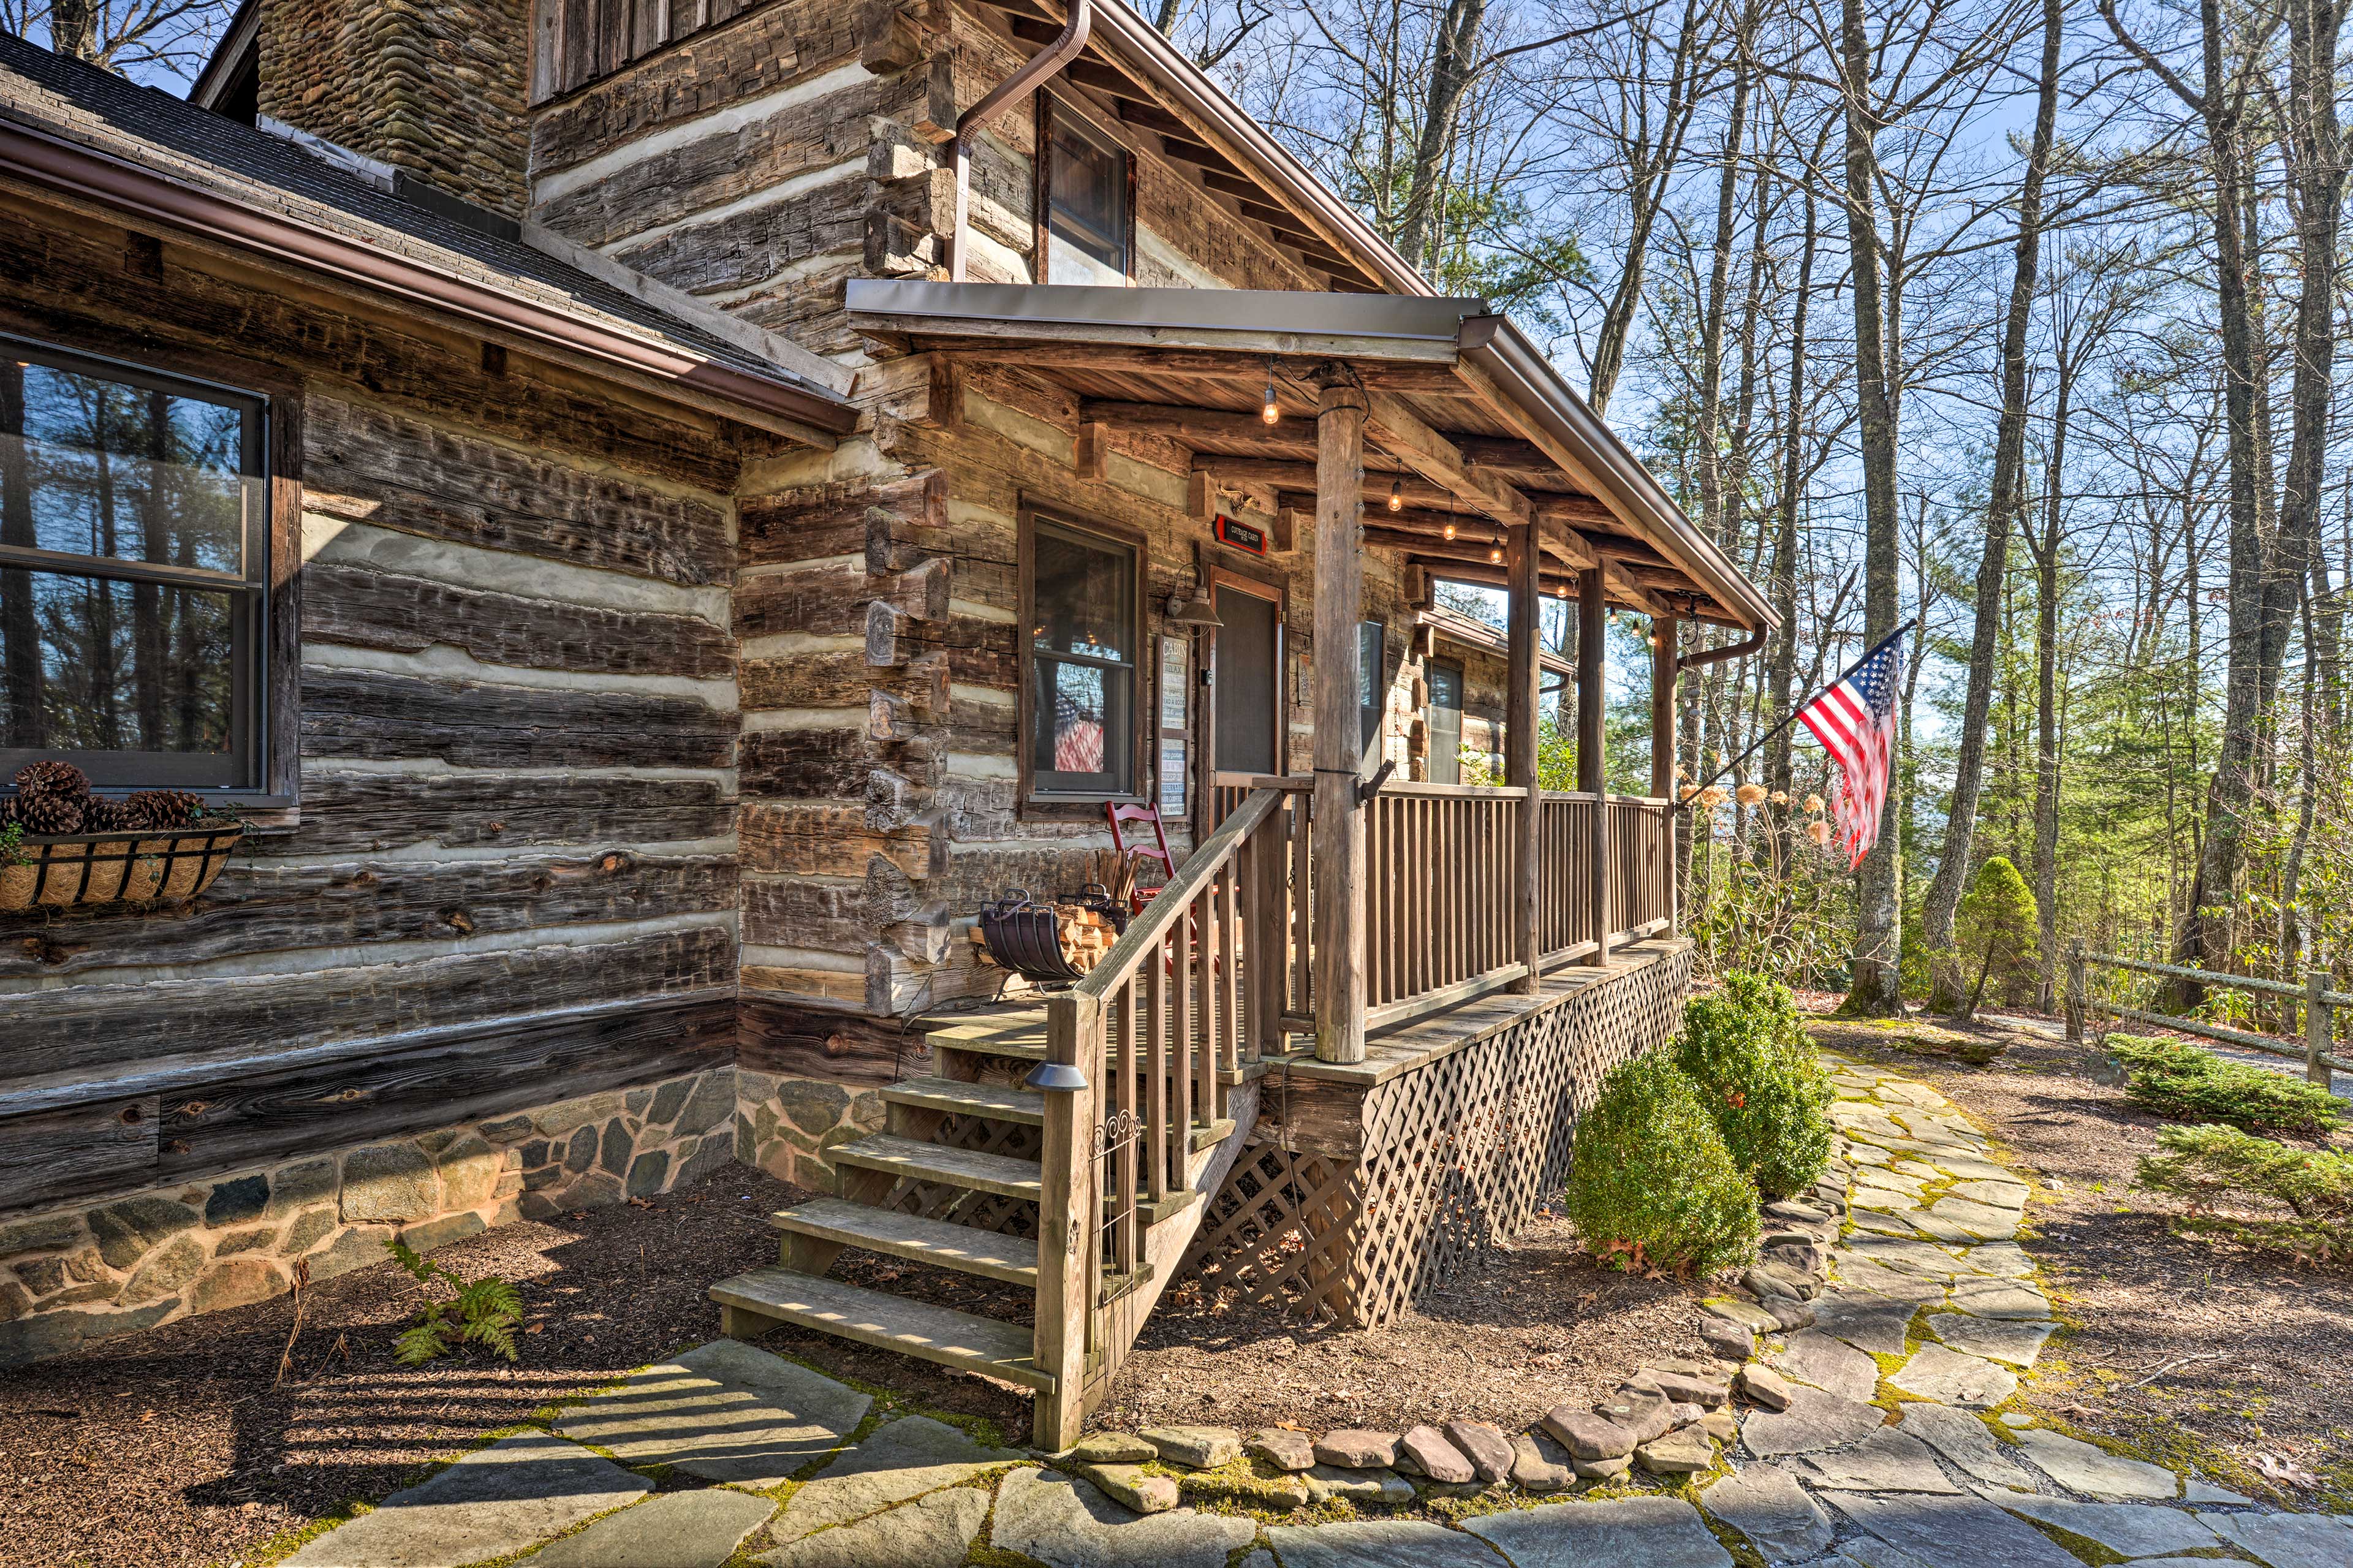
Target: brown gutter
(1718, 655)
(71, 169)
(1040, 65)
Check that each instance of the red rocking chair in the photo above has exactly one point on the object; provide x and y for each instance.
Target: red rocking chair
(1157, 850)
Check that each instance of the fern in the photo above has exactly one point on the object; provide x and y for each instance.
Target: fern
(484, 1313)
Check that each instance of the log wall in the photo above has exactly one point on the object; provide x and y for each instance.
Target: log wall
(508, 877)
(765, 160)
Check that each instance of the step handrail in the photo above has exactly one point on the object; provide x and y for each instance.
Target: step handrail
(1164, 913)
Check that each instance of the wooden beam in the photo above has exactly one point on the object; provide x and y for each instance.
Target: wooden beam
(1483, 390)
(1592, 717)
(1040, 348)
(1520, 742)
(1294, 436)
(1271, 473)
(1406, 436)
(1338, 819)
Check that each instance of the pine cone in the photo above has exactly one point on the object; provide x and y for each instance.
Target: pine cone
(50, 777)
(9, 817)
(100, 814)
(164, 809)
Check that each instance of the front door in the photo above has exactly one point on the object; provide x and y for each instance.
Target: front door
(1248, 679)
(1445, 723)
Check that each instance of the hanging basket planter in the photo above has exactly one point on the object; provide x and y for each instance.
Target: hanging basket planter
(61, 870)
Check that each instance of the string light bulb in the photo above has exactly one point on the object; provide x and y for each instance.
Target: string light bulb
(1449, 531)
(1495, 554)
(1272, 410)
(1397, 494)
(1613, 614)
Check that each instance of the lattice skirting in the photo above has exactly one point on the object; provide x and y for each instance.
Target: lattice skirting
(1459, 1154)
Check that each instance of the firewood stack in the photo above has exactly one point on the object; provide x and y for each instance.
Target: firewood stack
(1085, 935)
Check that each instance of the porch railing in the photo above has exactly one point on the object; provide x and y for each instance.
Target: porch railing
(1215, 973)
(1161, 1025)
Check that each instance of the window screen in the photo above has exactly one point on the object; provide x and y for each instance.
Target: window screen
(1082, 663)
(1086, 205)
(132, 567)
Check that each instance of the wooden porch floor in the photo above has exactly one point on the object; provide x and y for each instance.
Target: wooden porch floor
(1017, 1028)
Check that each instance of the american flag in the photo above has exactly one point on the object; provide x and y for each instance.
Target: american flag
(1854, 720)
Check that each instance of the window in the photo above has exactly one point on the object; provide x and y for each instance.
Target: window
(1445, 723)
(1085, 200)
(1372, 699)
(133, 565)
(1081, 596)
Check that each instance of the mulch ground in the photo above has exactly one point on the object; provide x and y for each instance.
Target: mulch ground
(183, 1445)
(1539, 1324)
(2195, 1351)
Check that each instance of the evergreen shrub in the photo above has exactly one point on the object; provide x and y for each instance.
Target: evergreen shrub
(2297, 1201)
(1652, 1185)
(1759, 1076)
(2184, 1083)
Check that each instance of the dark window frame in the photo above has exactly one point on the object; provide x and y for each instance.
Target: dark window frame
(266, 670)
(1082, 803)
(1051, 109)
(1450, 761)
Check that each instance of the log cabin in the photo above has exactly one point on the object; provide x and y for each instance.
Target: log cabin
(654, 517)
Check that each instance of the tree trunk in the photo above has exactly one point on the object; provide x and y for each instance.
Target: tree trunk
(1783, 583)
(1454, 55)
(2046, 690)
(1652, 170)
(1878, 983)
(2001, 510)
(1709, 436)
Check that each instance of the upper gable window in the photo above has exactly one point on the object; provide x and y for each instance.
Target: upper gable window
(1088, 228)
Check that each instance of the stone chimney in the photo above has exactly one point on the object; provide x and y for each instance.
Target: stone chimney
(433, 86)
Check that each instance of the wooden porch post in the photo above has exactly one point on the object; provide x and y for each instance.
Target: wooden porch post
(1520, 737)
(1592, 777)
(1339, 824)
(1068, 1211)
(1663, 738)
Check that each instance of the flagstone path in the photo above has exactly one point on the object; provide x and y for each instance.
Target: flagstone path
(730, 1457)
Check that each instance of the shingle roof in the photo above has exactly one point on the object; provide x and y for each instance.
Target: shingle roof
(190, 146)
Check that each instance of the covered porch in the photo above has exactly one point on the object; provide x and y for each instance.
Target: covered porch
(1352, 978)
(1429, 431)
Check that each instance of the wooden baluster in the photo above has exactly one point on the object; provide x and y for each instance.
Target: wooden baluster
(1303, 907)
(1123, 1094)
(1268, 928)
(1154, 1075)
(1229, 946)
(1180, 1055)
(1208, 974)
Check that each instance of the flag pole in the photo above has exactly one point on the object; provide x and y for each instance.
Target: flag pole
(1790, 717)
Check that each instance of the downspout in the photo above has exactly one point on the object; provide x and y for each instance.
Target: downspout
(1043, 64)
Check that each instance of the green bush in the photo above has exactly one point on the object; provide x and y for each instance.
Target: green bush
(1760, 1078)
(1652, 1185)
(2288, 1200)
(1995, 927)
(2183, 1083)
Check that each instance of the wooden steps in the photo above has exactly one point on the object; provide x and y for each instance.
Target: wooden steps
(996, 1102)
(889, 1152)
(801, 1290)
(893, 1323)
(1012, 1258)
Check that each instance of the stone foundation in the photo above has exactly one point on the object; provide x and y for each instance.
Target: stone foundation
(71, 1276)
(784, 1125)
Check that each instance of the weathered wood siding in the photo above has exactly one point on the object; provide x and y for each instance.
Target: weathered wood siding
(765, 160)
(874, 583)
(511, 874)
